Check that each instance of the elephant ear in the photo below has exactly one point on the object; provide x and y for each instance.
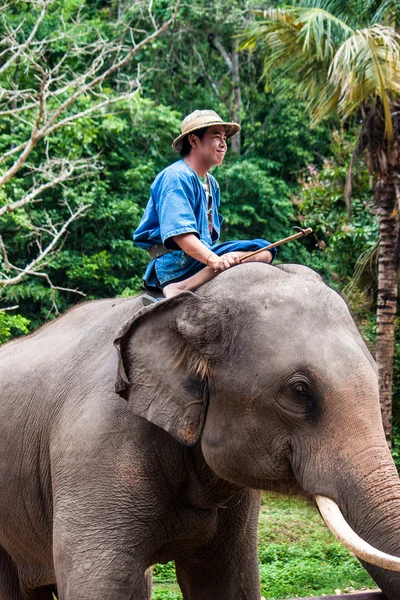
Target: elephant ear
(166, 356)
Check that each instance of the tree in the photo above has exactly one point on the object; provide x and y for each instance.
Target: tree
(58, 70)
(345, 59)
(119, 149)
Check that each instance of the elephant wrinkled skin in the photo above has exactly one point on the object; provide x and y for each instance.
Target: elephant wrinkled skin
(259, 380)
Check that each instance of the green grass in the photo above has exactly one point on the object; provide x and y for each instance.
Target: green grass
(298, 556)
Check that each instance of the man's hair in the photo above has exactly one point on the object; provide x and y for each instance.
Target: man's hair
(186, 147)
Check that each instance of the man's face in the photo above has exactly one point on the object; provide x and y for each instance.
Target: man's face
(212, 148)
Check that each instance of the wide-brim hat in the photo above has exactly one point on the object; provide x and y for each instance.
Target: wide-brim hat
(199, 119)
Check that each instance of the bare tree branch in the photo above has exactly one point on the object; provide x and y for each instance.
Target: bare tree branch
(206, 72)
(225, 55)
(66, 169)
(48, 102)
(5, 7)
(82, 87)
(31, 268)
(13, 151)
(6, 308)
(92, 109)
(21, 48)
(67, 121)
(150, 11)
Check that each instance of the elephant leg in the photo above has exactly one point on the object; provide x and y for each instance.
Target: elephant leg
(106, 576)
(12, 588)
(230, 578)
(227, 568)
(104, 586)
(94, 567)
(9, 581)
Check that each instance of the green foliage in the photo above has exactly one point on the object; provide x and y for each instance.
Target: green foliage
(165, 586)
(195, 76)
(127, 144)
(165, 573)
(12, 325)
(339, 240)
(279, 130)
(256, 204)
(287, 571)
(98, 256)
(131, 142)
(163, 594)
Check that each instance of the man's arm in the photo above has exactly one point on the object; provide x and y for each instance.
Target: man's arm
(192, 246)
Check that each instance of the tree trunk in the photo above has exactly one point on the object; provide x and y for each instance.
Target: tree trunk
(237, 98)
(232, 61)
(387, 291)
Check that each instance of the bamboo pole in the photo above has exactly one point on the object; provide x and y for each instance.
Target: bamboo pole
(295, 236)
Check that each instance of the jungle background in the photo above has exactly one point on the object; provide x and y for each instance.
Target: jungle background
(92, 93)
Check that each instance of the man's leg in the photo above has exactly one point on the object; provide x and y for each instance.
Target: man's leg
(206, 274)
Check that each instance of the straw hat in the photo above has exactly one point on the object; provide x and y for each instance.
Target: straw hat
(199, 119)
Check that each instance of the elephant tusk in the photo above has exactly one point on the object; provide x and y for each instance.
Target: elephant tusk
(334, 519)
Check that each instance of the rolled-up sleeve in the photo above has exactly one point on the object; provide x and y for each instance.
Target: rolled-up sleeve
(176, 214)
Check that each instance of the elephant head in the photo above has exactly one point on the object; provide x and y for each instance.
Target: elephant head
(265, 369)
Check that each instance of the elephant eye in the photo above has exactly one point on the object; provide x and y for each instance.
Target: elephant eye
(297, 395)
(302, 390)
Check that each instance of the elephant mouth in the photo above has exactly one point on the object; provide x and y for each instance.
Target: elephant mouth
(332, 515)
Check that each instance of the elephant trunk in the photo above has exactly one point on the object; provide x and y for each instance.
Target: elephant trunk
(371, 506)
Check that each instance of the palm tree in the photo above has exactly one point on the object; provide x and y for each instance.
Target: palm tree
(344, 56)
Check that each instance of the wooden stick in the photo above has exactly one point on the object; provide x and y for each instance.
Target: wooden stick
(371, 595)
(295, 236)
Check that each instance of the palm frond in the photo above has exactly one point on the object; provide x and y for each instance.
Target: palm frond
(366, 271)
(316, 26)
(336, 68)
(367, 65)
(349, 12)
(272, 17)
(386, 11)
(300, 43)
(321, 31)
(358, 13)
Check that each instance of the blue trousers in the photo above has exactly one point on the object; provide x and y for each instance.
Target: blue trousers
(177, 266)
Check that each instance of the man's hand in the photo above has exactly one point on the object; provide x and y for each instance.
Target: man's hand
(221, 263)
(190, 244)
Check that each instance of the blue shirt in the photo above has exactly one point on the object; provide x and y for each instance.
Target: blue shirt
(177, 205)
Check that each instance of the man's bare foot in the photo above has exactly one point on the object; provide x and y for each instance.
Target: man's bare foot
(173, 289)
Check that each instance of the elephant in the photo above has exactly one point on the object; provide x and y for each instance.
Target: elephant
(132, 435)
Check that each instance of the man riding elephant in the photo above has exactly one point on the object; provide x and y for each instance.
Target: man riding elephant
(181, 223)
